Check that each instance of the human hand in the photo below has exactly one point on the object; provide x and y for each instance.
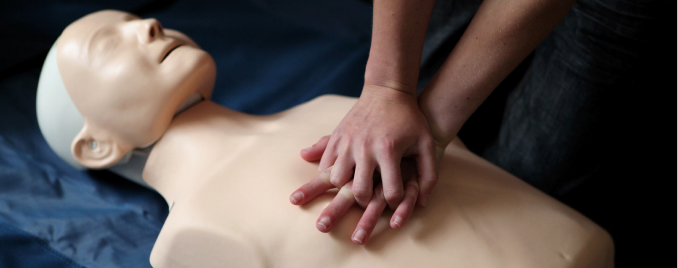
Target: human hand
(383, 126)
(344, 200)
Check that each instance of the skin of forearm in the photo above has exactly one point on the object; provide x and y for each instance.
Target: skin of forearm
(500, 36)
(399, 28)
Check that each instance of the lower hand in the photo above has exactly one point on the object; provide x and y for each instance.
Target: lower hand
(345, 199)
(383, 126)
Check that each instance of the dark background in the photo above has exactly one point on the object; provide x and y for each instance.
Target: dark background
(272, 55)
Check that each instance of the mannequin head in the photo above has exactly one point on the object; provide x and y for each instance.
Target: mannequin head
(127, 77)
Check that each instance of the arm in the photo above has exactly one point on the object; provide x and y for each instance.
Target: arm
(386, 123)
(500, 36)
(397, 42)
(383, 126)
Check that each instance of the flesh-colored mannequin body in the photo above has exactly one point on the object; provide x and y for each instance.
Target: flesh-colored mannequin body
(227, 175)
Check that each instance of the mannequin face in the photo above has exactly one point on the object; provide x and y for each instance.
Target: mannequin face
(127, 77)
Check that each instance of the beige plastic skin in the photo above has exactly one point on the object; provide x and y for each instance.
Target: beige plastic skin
(228, 177)
(114, 68)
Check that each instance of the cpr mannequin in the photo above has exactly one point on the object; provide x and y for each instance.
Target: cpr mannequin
(227, 176)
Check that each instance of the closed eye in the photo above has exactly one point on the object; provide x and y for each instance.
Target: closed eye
(168, 52)
(103, 43)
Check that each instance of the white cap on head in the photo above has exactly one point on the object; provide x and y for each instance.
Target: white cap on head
(60, 122)
(58, 118)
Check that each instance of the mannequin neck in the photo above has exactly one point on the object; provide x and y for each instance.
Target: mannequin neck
(132, 165)
(167, 169)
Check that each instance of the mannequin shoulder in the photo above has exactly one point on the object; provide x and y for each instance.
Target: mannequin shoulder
(187, 242)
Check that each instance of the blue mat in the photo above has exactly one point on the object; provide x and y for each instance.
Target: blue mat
(270, 55)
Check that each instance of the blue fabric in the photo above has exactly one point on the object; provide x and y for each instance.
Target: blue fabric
(270, 55)
(34, 252)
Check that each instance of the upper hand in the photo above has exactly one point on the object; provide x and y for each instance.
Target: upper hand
(383, 126)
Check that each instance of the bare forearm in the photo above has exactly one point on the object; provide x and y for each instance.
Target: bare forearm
(397, 41)
(499, 37)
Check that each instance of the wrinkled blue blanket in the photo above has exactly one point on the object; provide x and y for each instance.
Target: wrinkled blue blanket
(270, 55)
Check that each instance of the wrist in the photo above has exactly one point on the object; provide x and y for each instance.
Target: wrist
(444, 123)
(442, 134)
(392, 76)
(384, 93)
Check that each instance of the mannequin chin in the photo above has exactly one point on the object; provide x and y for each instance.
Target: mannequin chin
(228, 174)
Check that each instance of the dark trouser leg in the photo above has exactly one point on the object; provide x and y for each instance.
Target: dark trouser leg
(559, 123)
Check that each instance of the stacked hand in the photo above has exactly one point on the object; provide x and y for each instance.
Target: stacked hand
(384, 127)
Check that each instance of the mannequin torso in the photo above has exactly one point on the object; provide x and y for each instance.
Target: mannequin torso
(228, 177)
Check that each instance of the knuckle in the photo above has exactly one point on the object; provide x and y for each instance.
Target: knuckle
(361, 155)
(344, 146)
(360, 141)
(309, 188)
(333, 211)
(412, 192)
(428, 183)
(324, 176)
(393, 200)
(361, 193)
(428, 143)
(346, 192)
(364, 142)
(335, 136)
(337, 182)
(433, 180)
(393, 195)
(386, 146)
(413, 185)
(359, 151)
(363, 201)
(411, 195)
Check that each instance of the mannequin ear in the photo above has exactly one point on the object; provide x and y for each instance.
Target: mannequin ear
(94, 149)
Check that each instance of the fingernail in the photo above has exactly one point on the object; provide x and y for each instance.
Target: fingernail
(424, 199)
(324, 222)
(306, 149)
(398, 221)
(296, 197)
(359, 236)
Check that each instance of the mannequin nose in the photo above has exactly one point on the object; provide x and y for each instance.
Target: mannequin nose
(149, 30)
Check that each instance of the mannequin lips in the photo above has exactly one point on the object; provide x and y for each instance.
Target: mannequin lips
(169, 49)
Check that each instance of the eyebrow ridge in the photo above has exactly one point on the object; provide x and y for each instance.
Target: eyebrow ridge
(92, 41)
